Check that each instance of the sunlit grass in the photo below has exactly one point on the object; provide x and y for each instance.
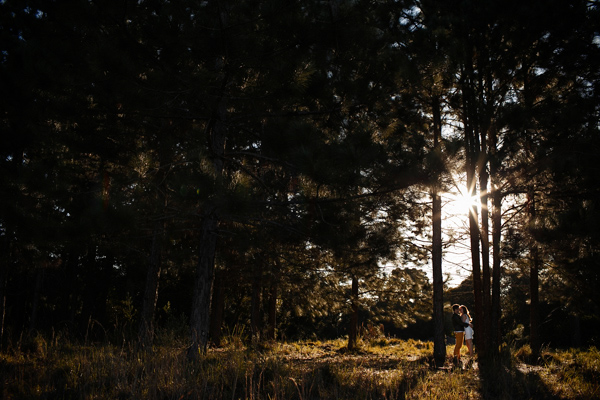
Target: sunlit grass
(379, 368)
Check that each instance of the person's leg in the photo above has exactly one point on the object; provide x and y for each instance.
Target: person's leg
(459, 342)
(470, 346)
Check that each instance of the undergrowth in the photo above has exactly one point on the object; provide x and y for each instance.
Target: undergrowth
(377, 369)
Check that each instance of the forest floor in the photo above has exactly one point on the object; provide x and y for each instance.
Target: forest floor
(379, 369)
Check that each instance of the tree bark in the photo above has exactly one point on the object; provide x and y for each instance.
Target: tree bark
(200, 317)
(273, 293)
(255, 325)
(472, 150)
(39, 279)
(353, 328)
(146, 328)
(485, 251)
(534, 322)
(496, 267)
(4, 263)
(439, 342)
(216, 310)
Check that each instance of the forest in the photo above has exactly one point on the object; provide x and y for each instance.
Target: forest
(281, 170)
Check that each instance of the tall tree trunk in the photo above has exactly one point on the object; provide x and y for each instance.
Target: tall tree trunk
(216, 310)
(485, 252)
(353, 328)
(37, 289)
(273, 293)
(496, 266)
(439, 343)
(472, 149)
(216, 131)
(534, 322)
(146, 328)
(4, 263)
(200, 318)
(255, 320)
(476, 265)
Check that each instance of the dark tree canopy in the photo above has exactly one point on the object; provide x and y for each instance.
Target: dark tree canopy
(271, 165)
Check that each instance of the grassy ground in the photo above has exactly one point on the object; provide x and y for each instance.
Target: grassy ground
(380, 369)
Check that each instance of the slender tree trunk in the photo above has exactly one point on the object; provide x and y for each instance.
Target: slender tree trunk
(216, 131)
(475, 262)
(496, 269)
(146, 328)
(273, 293)
(472, 150)
(200, 318)
(39, 280)
(216, 310)
(439, 343)
(4, 263)
(485, 254)
(255, 319)
(534, 323)
(353, 329)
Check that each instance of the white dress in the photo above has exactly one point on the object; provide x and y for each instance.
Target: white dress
(468, 330)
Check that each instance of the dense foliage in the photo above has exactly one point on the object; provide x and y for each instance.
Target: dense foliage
(253, 165)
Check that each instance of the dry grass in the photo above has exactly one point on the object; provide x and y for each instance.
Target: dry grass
(379, 369)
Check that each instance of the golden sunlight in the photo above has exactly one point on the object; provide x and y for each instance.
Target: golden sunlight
(459, 202)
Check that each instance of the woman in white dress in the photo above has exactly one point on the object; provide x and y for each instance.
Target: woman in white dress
(466, 317)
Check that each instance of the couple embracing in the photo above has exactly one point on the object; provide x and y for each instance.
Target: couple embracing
(463, 330)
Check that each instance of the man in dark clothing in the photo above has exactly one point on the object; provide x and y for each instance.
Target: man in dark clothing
(459, 331)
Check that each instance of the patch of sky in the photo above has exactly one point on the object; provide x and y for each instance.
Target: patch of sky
(410, 18)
